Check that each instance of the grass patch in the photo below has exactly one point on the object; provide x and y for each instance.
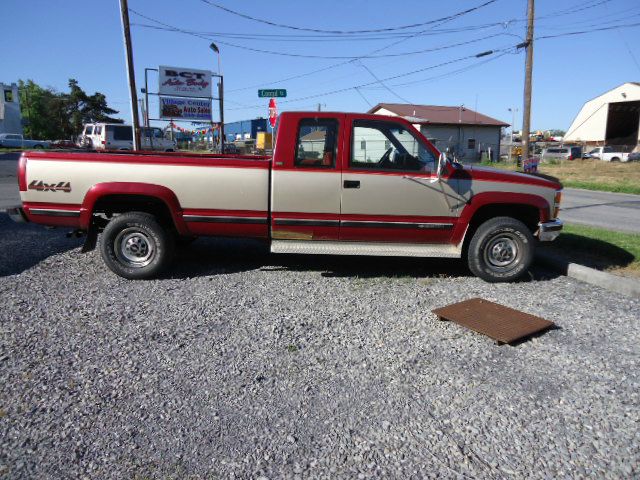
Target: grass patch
(616, 252)
(589, 174)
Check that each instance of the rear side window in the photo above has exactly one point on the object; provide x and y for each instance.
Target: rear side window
(122, 133)
(316, 145)
(98, 130)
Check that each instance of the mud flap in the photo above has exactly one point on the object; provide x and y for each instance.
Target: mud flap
(91, 240)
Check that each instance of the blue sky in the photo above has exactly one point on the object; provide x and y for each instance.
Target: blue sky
(52, 41)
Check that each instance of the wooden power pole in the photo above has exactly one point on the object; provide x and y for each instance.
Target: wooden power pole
(526, 111)
(124, 13)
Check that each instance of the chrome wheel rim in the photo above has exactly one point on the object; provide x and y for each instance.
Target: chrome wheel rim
(502, 252)
(134, 248)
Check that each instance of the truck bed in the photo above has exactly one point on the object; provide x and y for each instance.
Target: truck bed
(59, 188)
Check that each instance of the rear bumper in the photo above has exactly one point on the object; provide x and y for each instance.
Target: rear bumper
(549, 231)
(16, 214)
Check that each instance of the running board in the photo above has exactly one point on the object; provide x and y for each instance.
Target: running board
(319, 247)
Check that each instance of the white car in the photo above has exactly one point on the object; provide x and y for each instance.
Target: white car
(608, 154)
(114, 136)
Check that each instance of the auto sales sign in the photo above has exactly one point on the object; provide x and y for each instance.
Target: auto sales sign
(187, 82)
(177, 108)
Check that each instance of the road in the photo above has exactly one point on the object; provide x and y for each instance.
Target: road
(614, 211)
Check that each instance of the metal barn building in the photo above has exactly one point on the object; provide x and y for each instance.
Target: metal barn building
(467, 133)
(613, 118)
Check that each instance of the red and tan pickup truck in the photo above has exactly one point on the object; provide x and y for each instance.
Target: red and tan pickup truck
(338, 184)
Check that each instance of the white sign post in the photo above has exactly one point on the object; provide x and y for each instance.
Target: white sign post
(186, 82)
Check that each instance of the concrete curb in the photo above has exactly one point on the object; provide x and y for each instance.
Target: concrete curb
(623, 285)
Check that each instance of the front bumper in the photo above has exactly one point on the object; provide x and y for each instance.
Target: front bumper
(16, 214)
(549, 231)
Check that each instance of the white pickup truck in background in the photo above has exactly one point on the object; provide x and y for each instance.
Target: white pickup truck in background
(608, 154)
(15, 140)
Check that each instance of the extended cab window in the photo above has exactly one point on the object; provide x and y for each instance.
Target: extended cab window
(380, 145)
(98, 130)
(316, 146)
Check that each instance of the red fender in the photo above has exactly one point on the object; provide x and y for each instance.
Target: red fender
(132, 188)
(498, 198)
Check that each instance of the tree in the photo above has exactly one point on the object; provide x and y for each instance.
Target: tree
(52, 115)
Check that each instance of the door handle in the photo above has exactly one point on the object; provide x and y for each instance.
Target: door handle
(352, 184)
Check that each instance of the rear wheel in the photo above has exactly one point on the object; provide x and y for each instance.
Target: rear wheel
(135, 246)
(615, 159)
(501, 250)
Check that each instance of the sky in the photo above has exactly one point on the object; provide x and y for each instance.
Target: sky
(50, 41)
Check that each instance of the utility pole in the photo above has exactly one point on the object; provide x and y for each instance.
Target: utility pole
(133, 94)
(526, 111)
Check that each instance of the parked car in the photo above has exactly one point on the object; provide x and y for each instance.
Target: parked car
(562, 153)
(15, 140)
(387, 192)
(634, 157)
(114, 136)
(63, 144)
(609, 154)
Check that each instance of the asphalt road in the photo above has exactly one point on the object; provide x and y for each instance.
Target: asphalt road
(613, 211)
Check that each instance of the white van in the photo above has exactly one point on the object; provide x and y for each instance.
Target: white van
(115, 136)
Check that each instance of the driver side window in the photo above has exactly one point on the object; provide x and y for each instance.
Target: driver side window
(380, 145)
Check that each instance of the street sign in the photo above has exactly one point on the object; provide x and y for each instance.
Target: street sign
(272, 92)
(273, 112)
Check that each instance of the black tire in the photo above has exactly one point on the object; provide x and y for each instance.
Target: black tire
(135, 246)
(615, 159)
(37, 146)
(501, 250)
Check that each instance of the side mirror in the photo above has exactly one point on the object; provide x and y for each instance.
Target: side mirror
(442, 162)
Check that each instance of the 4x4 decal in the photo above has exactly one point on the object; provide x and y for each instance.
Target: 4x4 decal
(40, 186)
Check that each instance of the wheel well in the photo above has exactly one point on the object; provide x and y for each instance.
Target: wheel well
(105, 208)
(527, 214)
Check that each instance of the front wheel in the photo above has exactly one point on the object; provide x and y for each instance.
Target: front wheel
(501, 250)
(135, 246)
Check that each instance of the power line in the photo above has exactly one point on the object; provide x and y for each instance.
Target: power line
(583, 32)
(384, 85)
(431, 67)
(318, 30)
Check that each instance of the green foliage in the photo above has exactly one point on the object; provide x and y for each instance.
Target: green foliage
(623, 186)
(56, 115)
(599, 248)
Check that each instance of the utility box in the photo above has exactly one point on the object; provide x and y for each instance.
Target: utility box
(263, 141)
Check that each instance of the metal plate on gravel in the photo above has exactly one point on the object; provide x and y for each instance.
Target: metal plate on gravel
(503, 324)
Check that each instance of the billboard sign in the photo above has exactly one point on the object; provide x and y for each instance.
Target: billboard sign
(177, 108)
(187, 82)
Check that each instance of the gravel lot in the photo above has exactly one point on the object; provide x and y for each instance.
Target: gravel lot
(246, 365)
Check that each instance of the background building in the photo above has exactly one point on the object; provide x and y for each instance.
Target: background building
(10, 116)
(245, 129)
(466, 133)
(613, 118)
